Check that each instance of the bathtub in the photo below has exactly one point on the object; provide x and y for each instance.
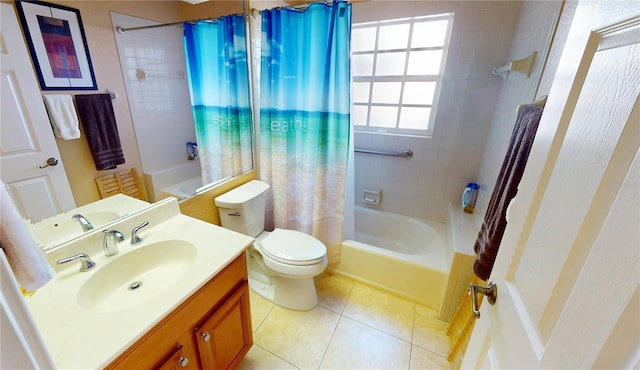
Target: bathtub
(399, 254)
(183, 189)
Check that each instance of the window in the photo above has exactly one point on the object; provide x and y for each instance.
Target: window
(397, 68)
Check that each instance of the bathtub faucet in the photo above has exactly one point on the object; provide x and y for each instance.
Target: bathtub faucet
(86, 225)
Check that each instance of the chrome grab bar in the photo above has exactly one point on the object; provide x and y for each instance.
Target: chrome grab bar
(404, 154)
(491, 291)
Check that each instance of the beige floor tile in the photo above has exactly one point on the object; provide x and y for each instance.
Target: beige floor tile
(381, 310)
(333, 291)
(358, 346)
(429, 332)
(299, 337)
(421, 359)
(260, 308)
(258, 358)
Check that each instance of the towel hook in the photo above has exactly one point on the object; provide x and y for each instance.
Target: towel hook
(113, 93)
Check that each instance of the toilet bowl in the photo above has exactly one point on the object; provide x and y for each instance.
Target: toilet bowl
(281, 263)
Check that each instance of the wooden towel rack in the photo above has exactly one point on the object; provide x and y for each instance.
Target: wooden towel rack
(123, 182)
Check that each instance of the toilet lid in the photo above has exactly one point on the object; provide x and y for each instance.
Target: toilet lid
(293, 247)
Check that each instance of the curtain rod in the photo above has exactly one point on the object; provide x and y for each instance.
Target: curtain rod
(121, 29)
(256, 12)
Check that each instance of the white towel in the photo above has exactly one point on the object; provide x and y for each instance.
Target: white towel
(62, 114)
(27, 261)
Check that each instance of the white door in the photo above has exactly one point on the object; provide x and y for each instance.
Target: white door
(568, 268)
(26, 138)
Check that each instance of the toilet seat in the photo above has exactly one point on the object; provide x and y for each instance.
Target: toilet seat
(292, 247)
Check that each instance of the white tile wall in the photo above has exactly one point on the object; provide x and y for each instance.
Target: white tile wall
(535, 32)
(160, 104)
(443, 164)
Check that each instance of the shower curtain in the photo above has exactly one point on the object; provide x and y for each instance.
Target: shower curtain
(304, 118)
(216, 56)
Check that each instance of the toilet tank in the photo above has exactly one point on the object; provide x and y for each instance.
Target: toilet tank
(242, 209)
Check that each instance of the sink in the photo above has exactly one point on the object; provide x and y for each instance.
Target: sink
(132, 278)
(62, 228)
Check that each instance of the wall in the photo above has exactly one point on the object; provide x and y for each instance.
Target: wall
(444, 163)
(536, 29)
(104, 55)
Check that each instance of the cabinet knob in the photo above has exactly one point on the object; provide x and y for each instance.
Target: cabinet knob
(183, 361)
(206, 336)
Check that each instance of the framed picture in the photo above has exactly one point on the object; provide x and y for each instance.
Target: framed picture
(58, 46)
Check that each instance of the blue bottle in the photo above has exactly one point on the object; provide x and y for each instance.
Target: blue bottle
(469, 197)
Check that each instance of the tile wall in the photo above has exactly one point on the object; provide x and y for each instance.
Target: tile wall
(154, 71)
(535, 32)
(442, 164)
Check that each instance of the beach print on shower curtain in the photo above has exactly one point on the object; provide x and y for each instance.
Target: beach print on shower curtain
(216, 56)
(304, 118)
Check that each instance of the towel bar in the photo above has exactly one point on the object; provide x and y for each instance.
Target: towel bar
(539, 103)
(404, 154)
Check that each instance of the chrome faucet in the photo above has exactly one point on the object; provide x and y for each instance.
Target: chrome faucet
(86, 225)
(110, 242)
(135, 239)
(86, 263)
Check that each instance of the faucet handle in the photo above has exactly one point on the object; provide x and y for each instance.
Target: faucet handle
(86, 263)
(135, 239)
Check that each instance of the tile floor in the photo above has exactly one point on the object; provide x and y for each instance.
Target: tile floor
(353, 327)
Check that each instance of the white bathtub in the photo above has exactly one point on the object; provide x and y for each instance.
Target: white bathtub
(399, 254)
(183, 189)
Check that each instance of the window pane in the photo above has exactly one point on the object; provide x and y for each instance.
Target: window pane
(424, 62)
(414, 118)
(361, 92)
(418, 92)
(428, 34)
(386, 92)
(390, 64)
(362, 65)
(359, 115)
(393, 37)
(363, 39)
(383, 116)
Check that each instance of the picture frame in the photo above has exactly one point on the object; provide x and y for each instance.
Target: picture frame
(58, 46)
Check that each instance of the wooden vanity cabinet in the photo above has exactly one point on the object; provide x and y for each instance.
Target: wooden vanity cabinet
(225, 337)
(183, 357)
(210, 330)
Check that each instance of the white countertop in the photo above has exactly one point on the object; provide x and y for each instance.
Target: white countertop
(78, 338)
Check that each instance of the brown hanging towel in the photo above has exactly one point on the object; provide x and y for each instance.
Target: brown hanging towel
(495, 222)
(99, 124)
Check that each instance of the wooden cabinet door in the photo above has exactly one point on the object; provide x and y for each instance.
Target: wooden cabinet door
(225, 337)
(183, 357)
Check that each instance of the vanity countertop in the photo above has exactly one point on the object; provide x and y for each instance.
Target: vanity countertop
(79, 337)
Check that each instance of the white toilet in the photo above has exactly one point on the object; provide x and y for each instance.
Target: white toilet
(282, 263)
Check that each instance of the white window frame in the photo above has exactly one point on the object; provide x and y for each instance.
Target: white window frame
(437, 78)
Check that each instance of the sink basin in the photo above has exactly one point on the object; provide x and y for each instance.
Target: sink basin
(59, 229)
(132, 278)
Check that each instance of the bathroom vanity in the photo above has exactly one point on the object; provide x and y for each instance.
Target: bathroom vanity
(179, 299)
(211, 330)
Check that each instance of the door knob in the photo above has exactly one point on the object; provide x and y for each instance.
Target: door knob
(50, 162)
(491, 291)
